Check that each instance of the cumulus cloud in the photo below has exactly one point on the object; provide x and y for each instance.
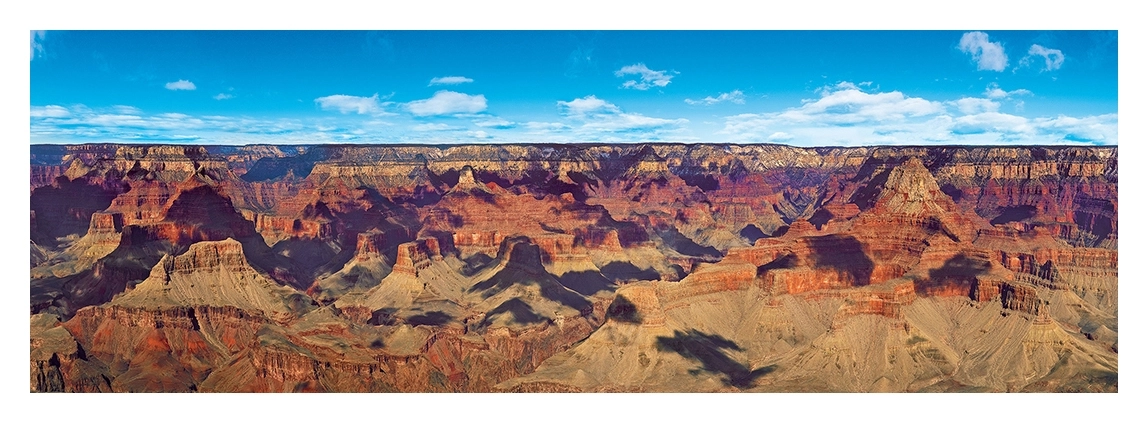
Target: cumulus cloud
(49, 111)
(1053, 58)
(347, 104)
(976, 105)
(735, 96)
(647, 77)
(846, 105)
(597, 115)
(454, 79)
(990, 122)
(37, 46)
(844, 116)
(780, 137)
(496, 123)
(445, 102)
(989, 56)
(587, 105)
(993, 91)
(180, 85)
(222, 96)
(1093, 129)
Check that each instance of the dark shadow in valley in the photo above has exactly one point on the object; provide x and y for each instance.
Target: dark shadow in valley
(958, 270)
(709, 350)
(273, 168)
(475, 263)
(524, 267)
(447, 179)
(586, 283)
(702, 182)
(432, 318)
(128, 264)
(1014, 214)
(519, 311)
(820, 218)
(781, 230)
(207, 216)
(752, 233)
(1095, 216)
(684, 245)
(953, 192)
(623, 310)
(66, 208)
(842, 253)
(783, 262)
(866, 196)
(384, 316)
(626, 272)
(582, 179)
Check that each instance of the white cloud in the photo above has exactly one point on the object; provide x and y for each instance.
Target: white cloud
(1092, 129)
(545, 126)
(479, 134)
(445, 102)
(37, 45)
(347, 104)
(496, 123)
(180, 85)
(993, 91)
(121, 123)
(454, 79)
(735, 96)
(1053, 58)
(990, 122)
(126, 109)
(55, 111)
(596, 115)
(780, 137)
(976, 105)
(588, 105)
(433, 127)
(848, 117)
(848, 105)
(649, 78)
(222, 96)
(627, 122)
(989, 56)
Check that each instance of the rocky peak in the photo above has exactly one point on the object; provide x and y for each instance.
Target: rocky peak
(415, 256)
(468, 184)
(206, 255)
(912, 189)
(466, 178)
(520, 251)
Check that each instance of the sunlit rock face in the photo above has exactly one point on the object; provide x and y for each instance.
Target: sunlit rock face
(634, 268)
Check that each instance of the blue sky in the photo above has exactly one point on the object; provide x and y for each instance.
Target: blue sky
(808, 88)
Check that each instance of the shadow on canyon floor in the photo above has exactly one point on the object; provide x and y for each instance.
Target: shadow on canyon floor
(709, 350)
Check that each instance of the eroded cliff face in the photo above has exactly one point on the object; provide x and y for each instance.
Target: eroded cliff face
(646, 267)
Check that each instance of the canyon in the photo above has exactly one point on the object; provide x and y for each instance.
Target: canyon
(652, 267)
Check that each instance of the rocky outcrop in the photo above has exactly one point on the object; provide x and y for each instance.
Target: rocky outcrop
(415, 256)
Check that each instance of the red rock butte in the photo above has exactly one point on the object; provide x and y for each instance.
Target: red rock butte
(573, 268)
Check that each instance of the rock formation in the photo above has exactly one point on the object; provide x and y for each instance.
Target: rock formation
(634, 268)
